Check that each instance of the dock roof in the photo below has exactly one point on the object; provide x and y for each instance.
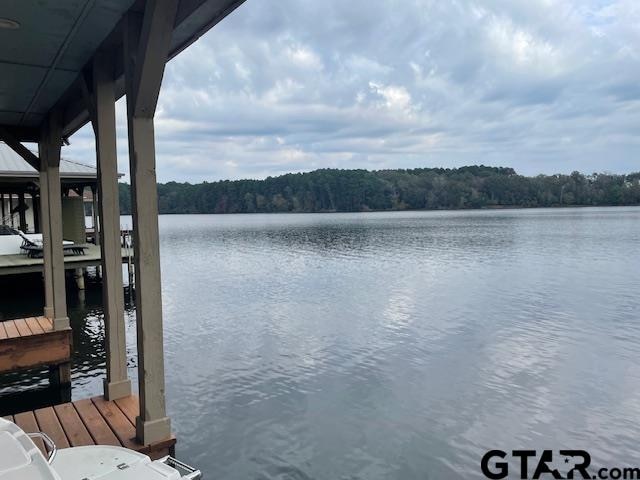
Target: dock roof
(13, 166)
(45, 52)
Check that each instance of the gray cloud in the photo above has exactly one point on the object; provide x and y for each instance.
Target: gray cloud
(293, 85)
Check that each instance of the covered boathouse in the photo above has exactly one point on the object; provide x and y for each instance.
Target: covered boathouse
(20, 191)
(63, 64)
(20, 210)
(20, 214)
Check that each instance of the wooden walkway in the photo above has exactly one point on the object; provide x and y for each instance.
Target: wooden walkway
(32, 342)
(94, 421)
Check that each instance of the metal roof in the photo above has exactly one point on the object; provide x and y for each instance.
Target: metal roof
(42, 60)
(12, 165)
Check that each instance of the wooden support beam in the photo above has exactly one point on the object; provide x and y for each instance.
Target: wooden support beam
(50, 146)
(117, 384)
(7, 137)
(87, 93)
(146, 51)
(152, 54)
(45, 228)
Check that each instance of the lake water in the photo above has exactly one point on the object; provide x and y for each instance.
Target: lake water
(389, 345)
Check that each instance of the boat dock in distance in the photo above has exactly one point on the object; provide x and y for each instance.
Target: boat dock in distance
(20, 263)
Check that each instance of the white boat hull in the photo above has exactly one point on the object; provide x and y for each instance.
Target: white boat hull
(20, 459)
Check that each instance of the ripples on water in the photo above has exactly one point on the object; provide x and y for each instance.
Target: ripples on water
(392, 345)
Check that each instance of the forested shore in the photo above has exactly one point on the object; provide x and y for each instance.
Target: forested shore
(332, 190)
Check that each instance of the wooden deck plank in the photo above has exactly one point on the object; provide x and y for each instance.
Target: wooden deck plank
(45, 323)
(49, 424)
(89, 422)
(3, 332)
(95, 423)
(12, 330)
(30, 351)
(23, 328)
(118, 422)
(130, 407)
(27, 422)
(72, 425)
(34, 326)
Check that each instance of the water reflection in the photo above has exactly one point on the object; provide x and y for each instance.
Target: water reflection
(390, 345)
(349, 236)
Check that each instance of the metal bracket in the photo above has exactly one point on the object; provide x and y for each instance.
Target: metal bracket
(51, 448)
(190, 472)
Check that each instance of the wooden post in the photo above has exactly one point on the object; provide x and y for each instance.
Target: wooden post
(47, 164)
(94, 213)
(50, 145)
(146, 49)
(11, 214)
(35, 200)
(61, 319)
(22, 212)
(60, 374)
(117, 383)
(45, 227)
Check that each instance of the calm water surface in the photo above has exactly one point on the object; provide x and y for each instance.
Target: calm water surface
(389, 345)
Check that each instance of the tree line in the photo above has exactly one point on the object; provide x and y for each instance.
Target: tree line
(333, 190)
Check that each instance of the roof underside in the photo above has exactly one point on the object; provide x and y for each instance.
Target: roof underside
(41, 61)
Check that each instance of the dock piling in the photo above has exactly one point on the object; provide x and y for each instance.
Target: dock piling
(60, 374)
(79, 278)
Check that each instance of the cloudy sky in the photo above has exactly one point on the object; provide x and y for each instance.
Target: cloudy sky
(283, 86)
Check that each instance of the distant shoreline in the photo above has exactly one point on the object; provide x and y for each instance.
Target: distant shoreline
(500, 207)
(330, 191)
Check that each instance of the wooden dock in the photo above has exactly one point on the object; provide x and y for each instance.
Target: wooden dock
(93, 421)
(31, 343)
